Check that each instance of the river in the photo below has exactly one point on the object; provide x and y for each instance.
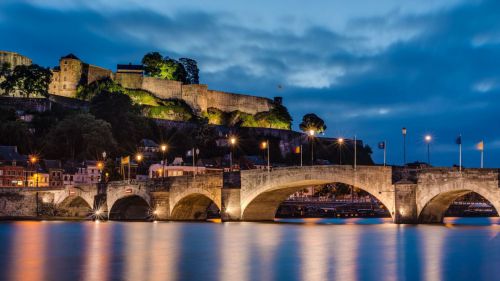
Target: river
(302, 249)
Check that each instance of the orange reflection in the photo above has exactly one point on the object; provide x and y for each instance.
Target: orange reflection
(30, 251)
(97, 257)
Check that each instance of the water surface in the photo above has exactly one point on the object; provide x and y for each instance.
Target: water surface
(301, 249)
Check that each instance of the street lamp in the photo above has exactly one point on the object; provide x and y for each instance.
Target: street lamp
(32, 160)
(265, 145)
(428, 139)
(163, 149)
(340, 142)
(139, 158)
(311, 135)
(403, 131)
(232, 143)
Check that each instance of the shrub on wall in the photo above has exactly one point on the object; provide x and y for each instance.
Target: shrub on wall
(171, 109)
(276, 118)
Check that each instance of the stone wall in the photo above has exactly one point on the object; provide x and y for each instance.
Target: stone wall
(163, 89)
(13, 59)
(129, 80)
(231, 102)
(95, 73)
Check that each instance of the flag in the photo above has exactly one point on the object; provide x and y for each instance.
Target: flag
(297, 149)
(125, 160)
(381, 145)
(480, 146)
(459, 140)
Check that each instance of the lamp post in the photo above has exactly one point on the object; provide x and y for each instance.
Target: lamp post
(32, 160)
(403, 131)
(340, 142)
(163, 149)
(232, 143)
(428, 139)
(311, 136)
(139, 158)
(265, 145)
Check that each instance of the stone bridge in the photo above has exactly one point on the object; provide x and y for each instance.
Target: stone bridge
(254, 195)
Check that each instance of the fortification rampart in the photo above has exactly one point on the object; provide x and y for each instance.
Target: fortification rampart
(72, 72)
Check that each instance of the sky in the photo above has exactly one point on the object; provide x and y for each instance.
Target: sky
(368, 68)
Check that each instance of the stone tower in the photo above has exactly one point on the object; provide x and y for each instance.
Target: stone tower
(67, 76)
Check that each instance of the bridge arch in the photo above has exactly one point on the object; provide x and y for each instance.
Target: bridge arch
(74, 206)
(193, 207)
(131, 207)
(438, 188)
(434, 210)
(263, 192)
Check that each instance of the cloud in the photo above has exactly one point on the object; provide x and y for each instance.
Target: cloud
(372, 71)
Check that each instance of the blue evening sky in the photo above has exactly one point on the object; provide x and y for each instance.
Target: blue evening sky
(366, 67)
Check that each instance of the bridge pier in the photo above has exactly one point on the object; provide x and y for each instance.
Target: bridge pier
(405, 203)
(160, 205)
(231, 204)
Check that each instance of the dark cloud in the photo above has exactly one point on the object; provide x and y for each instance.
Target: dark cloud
(434, 72)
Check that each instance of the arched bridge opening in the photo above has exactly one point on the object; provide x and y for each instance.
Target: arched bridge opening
(74, 206)
(457, 203)
(265, 205)
(132, 207)
(333, 200)
(195, 206)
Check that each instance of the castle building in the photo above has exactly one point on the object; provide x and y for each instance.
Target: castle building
(71, 73)
(13, 60)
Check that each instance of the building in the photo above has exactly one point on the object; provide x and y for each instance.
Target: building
(12, 60)
(55, 171)
(71, 73)
(87, 173)
(156, 170)
(11, 176)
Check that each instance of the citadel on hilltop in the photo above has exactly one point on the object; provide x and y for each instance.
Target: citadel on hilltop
(73, 72)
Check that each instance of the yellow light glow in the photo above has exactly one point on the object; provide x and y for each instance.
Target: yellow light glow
(428, 138)
(100, 165)
(33, 159)
(232, 140)
(138, 157)
(311, 132)
(264, 144)
(163, 147)
(341, 140)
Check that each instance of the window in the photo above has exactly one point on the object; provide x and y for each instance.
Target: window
(1, 172)
(64, 86)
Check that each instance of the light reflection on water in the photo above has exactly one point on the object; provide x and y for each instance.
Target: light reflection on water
(308, 249)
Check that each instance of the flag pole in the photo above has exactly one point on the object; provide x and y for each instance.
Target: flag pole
(385, 151)
(482, 155)
(355, 152)
(460, 155)
(301, 155)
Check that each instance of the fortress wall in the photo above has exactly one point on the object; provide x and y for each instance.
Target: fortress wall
(196, 96)
(54, 83)
(96, 73)
(231, 102)
(129, 80)
(164, 89)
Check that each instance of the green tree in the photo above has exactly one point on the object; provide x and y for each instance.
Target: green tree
(87, 92)
(152, 63)
(192, 71)
(78, 137)
(28, 80)
(311, 121)
(128, 126)
(165, 68)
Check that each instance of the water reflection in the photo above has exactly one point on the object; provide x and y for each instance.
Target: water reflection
(314, 250)
(28, 257)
